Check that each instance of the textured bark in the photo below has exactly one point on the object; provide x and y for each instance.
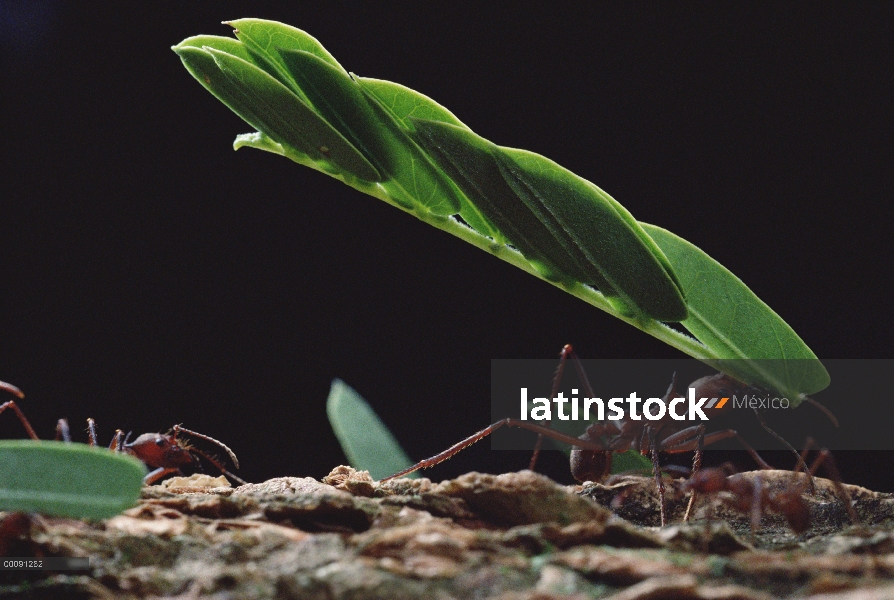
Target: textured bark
(511, 536)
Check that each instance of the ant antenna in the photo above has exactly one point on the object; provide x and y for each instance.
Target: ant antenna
(12, 389)
(207, 438)
(824, 410)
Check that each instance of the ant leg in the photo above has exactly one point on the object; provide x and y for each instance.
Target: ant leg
(566, 353)
(218, 464)
(683, 441)
(656, 469)
(696, 466)
(158, 474)
(699, 449)
(800, 465)
(550, 433)
(62, 431)
(825, 458)
(117, 441)
(757, 497)
(207, 438)
(18, 411)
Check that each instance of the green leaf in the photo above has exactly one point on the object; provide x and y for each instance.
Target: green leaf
(404, 105)
(365, 440)
(404, 148)
(265, 40)
(735, 324)
(266, 104)
(69, 480)
(469, 160)
(607, 236)
(622, 462)
(341, 101)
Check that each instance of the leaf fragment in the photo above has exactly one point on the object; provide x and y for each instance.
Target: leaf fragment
(69, 480)
(366, 441)
(403, 147)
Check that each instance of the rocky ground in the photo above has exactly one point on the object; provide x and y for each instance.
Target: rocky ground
(513, 536)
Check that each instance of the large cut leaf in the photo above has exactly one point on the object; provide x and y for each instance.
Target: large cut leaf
(70, 480)
(406, 149)
(759, 347)
(365, 440)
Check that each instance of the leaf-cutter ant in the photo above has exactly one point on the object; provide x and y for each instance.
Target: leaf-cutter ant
(167, 452)
(751, 495)
(591, 455)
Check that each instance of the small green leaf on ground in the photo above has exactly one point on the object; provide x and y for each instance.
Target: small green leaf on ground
(365, 440)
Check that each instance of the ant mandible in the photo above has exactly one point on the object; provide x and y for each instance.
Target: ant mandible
(591, 455)
(167, 453)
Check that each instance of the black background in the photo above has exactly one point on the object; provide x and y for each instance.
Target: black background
(152, 276)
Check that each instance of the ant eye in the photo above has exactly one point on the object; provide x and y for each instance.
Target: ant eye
(159, 442)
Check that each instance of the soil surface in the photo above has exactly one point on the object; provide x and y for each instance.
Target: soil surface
(513, 536)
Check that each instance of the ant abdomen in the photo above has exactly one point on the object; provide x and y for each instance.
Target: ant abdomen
(590, 465)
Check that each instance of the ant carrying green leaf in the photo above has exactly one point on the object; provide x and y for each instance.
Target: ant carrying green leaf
(592, 452)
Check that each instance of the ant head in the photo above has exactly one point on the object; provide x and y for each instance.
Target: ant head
(708, 481)
(792, 505)
(157, 450)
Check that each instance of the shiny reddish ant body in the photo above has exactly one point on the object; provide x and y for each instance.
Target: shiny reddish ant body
(591, 455)
(750, 494)
(167, 453)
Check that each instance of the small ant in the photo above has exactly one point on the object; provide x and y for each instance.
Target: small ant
(591, 455)
(167, 453)
(751, 495)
